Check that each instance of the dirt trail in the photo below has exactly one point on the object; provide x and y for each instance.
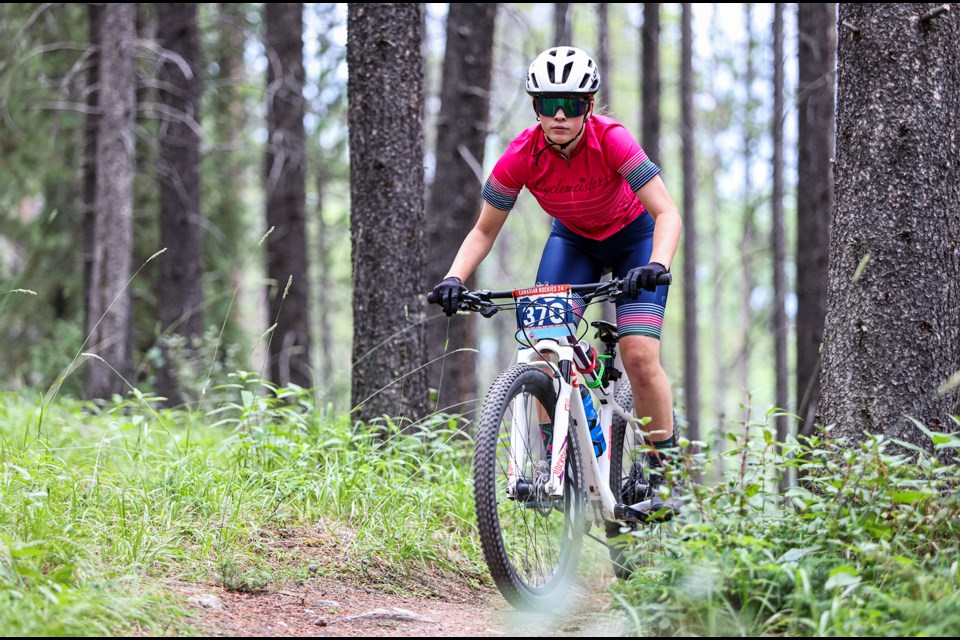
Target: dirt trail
(336, 601)
(336, 609)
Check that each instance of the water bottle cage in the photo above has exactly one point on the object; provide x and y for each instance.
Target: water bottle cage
(611, 374)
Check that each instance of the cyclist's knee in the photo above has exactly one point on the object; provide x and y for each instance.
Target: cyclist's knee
(641, 358)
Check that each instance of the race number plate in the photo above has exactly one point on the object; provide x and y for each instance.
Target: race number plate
(545, 312)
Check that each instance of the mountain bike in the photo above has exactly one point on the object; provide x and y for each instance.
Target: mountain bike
(541, 474)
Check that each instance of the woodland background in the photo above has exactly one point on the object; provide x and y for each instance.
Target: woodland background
(218, 224)
(237, 141)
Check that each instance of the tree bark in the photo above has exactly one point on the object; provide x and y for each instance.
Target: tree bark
(325, 296)
(562, 24)
(603, 53)
(109, 320)
(780, 329)
(455, 194)
(386, 90)
(748, 239)
(285, 177)
(650, 63)
(228, 167)
(719, 319)
(817, 42)
(893, 303)
(691, 335)
(95, 19)
(608, 309)
(180, 289)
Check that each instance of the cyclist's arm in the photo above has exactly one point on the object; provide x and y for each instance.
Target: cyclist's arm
(666, 232)
(478, 242)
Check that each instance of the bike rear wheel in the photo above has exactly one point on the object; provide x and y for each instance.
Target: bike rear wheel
(629, 475)
(627, 468)
(531, 541)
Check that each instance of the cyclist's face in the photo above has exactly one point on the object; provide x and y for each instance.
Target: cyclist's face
(562, 125)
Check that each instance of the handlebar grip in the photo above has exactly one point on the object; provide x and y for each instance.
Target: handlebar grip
(432, 299)
(665, 278)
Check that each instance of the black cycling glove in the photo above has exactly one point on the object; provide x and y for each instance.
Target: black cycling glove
(447, 294)
(642, 278)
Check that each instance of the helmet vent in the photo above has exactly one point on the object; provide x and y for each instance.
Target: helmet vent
(563, 70)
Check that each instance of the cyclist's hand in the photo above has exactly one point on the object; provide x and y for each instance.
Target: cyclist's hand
(642, 278)
(447, 294)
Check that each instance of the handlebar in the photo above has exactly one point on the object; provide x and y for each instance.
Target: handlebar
(482, 300)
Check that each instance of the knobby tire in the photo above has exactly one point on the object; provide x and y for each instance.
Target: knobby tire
(531, 548)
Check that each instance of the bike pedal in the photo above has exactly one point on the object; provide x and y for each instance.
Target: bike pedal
(627, 513)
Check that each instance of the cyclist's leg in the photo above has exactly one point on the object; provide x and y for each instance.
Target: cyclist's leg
(651, 388)
(639, 325)
(567, 259)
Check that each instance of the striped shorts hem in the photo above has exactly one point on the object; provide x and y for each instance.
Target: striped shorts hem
(639, 319)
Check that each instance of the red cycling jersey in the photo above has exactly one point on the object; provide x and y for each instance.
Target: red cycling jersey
(592, 193)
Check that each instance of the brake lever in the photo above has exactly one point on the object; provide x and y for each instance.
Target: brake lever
(611, 290)
(477, 301)
(489, 310)
(616, 291)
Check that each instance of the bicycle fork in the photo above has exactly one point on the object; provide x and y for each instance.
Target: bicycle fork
(595, 471)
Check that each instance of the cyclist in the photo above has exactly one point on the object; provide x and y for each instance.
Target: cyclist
(611, 211)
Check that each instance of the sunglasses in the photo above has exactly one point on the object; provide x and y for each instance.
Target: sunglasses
(572, 107)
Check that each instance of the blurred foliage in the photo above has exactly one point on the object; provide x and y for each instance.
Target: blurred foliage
(866, 545)
(41, 150)
(43, 60)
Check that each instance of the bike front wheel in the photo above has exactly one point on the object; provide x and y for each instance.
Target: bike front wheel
(531, 541)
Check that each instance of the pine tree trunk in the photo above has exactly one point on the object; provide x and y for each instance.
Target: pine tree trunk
(650, 63)
(285, 176)
(180, 290)
(455, 194)
(719, 319)
(608, 310)
(748, 239)
(893, 304)
(386, 91)
(603, 53)
(326, 299)
(95, 18)
(780, 329)
(228, 168)
(691, 335)
(817, 42)
(562, 24)
(109, 320)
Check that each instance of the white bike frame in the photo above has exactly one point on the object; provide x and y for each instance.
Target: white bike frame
(595, 471)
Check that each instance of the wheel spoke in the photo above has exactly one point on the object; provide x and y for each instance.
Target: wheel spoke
(530, 542)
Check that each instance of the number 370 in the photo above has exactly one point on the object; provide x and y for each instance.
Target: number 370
(545, 312)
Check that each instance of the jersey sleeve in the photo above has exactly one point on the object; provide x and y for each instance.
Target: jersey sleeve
(624, 155)
(506, 180)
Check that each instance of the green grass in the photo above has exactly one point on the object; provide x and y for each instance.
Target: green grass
(869, 545)
(104, 509)
(101, 508)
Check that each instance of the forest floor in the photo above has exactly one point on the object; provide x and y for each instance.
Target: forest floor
(341, 603)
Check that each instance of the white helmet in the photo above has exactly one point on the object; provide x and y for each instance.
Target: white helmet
(563, 70)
